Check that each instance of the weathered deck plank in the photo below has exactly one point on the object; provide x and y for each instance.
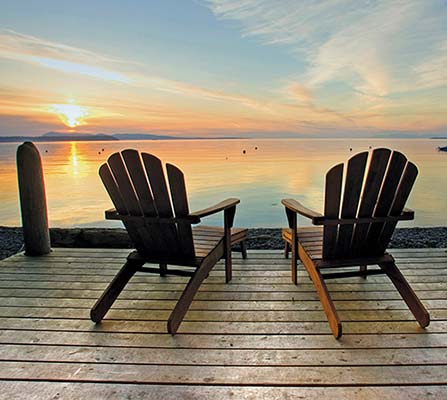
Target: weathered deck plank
(56, 390)
(258, 337)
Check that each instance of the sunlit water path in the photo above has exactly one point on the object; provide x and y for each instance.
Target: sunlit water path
(216, 169)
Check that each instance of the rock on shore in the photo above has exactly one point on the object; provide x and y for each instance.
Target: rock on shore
(11, 239)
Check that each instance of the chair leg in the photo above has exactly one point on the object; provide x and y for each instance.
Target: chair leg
(244, 249)
(407, 293)
(294, 264)
(163, 269)
(363, 271)
(182, 306)
(328, 305)
(323, 294)
(228, 261)
(286, 249)
(115, 287)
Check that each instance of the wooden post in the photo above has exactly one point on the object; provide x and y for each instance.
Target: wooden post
(33, 202)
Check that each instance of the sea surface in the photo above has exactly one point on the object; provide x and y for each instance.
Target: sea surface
(260, 172)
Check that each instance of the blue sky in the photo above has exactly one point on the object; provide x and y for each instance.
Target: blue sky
(253, 67)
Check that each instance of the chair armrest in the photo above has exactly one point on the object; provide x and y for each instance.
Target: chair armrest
(407, 212)
(297, 207)
(112, 214)
(223, 205)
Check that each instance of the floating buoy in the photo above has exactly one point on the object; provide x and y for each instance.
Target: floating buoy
(243, 151)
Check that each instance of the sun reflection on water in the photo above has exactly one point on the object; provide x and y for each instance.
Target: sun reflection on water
(73, 158)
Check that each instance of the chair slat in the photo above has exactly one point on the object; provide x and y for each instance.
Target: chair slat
(387, 194)
(331, 208)
(154, 171)
(119, 203)
(352, 189)
(122, 179)
(135, 168)
(374, 180)
(138, 177)
(181, 208)
(112, 189)
(403, 192)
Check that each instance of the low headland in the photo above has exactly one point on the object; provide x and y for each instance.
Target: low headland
(11, 239)
(90, 137)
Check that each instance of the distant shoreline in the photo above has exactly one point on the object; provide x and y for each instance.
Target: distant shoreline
(55, 137)
(40, 139)
(102, 137)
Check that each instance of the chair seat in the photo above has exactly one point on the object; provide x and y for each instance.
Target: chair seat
(206, 238)
(311, 241)
(311, 238)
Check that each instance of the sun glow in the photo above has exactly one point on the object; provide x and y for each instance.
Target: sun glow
(70, 114)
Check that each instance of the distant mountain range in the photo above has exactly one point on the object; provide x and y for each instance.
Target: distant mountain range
(80, 137)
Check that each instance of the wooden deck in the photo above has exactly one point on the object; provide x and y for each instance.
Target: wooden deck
(258, 337)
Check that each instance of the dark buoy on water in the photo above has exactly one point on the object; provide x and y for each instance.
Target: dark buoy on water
(46, 151)
(243, 151)
(256, 147)
(350, 149)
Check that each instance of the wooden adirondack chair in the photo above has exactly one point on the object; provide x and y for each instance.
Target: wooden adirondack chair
(357, 230)
(163, 234)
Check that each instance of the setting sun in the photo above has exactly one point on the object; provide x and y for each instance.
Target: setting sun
(70, 114)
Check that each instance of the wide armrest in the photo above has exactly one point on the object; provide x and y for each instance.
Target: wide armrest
(223, 205)
(408, 213)
(297, 207)
(111, 214)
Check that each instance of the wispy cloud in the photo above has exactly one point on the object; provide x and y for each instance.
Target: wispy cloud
(299, 92)
(38, 51)
(192, 90)
(432, 72)
(377, 47)
(74, 60)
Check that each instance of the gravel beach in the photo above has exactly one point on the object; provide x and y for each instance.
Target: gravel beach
(11, 240)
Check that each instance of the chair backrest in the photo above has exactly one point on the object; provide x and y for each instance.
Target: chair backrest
(138, 188)
(379, 188)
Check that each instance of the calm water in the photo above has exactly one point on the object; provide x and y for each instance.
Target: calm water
(214, 170)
